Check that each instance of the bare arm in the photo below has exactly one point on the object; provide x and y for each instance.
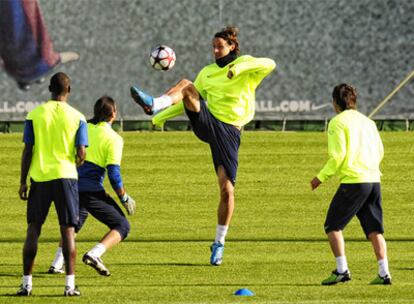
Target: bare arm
(120, 192)
(24, 171)
(80, 155)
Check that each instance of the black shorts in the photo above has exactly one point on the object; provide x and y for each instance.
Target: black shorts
(224, 139)
(104, 209)
(362, 200)
(63, 192)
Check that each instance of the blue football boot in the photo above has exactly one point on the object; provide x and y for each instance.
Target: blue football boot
(144, 100)
(217, 250)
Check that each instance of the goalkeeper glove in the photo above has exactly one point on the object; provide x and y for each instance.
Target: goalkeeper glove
(128, 203)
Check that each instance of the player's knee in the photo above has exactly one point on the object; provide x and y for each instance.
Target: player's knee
(226, 193)
(67, 231)
(34, 230)
(184, 83)
(191, 98)
(123, 228)
(189, 91)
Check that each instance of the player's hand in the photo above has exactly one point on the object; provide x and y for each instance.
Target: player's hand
(129, 204)
(23, 192)
(315, 182)
(230, 73)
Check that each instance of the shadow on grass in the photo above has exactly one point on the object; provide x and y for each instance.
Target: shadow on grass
(163, 264)
(18, 275)
(235, 240)
(10, 275)
(31, 296)
(207, 285)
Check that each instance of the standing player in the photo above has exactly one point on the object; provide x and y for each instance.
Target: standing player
(103, 154)
(355, 152)
(55, 138)
(228, 86)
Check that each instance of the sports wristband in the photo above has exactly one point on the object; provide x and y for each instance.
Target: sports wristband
(124, 198)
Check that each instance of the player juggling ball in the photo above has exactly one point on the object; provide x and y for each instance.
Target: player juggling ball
(103, 154)
(55, 138)
(355, 151)
(218, 104)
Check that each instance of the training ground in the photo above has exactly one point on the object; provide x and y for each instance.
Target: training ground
(276, 245)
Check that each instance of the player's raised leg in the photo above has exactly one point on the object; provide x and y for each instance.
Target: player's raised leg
(152, 105)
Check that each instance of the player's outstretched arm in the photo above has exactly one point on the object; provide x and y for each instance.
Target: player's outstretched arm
(261, 66)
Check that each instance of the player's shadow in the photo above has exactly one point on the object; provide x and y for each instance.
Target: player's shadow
(18, 275)
(163, 264)
(208, 284)
(3, 274)
(37, 296)
(232, 284)
(406, 268)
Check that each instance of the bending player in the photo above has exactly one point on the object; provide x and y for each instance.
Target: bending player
(355, 152)
(218, 104)
(104, 152)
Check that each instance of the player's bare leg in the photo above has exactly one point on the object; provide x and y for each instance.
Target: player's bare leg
(183, 90)
(224, 215)
(30, 247)
(190, 97)
(341, 273)
(226, 204)
(112, 238)
(29, 254)
(68, 248)
(337, 243)
(93, 257)
(69, 254)
(380, 249)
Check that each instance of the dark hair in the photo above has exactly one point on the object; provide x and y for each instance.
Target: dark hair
(103, 109)
(345, 96)
(59, 84)
(229, 34)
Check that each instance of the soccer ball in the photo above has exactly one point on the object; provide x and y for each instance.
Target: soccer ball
(162, 58)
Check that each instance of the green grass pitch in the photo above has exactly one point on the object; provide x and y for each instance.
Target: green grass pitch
(276, 246)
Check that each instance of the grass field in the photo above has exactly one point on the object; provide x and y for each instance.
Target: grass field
(276, 245)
